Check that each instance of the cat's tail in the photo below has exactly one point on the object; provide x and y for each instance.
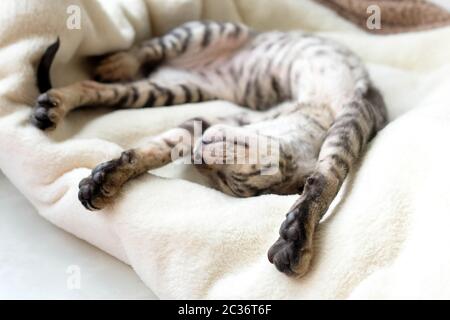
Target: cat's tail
(43, 71)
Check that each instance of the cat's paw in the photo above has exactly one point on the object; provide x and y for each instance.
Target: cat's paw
(292, 252)
(97, 190)
(120, 66)
(246, 163)
(217, 145)
(47, 111)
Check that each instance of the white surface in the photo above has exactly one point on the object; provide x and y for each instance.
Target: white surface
(36, 259)
(443, 3)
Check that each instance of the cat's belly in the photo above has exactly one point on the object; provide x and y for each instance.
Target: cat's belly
(276, 67)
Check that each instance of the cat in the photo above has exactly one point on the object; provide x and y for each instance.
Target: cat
(317, 106)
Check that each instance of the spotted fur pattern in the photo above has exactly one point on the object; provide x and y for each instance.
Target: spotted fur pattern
(315, 98)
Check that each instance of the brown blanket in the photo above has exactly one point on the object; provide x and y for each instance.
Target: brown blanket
(396, 15)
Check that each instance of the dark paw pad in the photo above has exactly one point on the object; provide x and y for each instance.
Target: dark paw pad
(285, 255)
(288, 253)
(92, 192)
(44, 116)
(105, 180)
(292, 227)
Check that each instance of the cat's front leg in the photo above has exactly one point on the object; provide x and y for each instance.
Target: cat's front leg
(102, 186)
(189, 40)
(119, 66)
(106, 180)
(53, 105)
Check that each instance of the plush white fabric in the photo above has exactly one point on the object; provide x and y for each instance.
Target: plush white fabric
(387, 238)
(41, 261)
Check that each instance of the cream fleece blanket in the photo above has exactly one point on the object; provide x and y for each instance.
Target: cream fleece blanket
(386, 238)
(397, 15)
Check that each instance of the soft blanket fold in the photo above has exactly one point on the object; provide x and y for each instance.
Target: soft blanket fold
(386, 237)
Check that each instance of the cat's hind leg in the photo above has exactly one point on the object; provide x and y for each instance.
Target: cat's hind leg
(345, 142)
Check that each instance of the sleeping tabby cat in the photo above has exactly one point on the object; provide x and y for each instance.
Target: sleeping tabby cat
(315, 102)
